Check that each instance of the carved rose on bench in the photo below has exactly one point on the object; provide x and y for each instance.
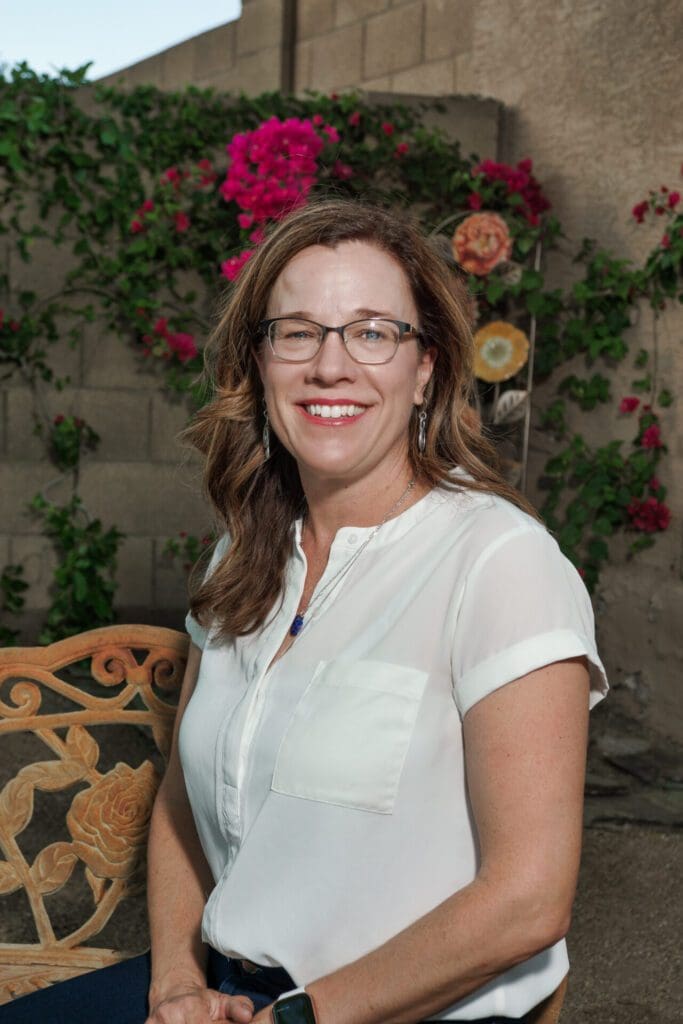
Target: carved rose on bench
(109, 821)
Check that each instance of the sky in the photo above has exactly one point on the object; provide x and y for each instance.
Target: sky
(53, 34)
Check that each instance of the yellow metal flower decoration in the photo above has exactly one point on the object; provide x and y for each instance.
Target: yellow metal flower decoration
(500, 351)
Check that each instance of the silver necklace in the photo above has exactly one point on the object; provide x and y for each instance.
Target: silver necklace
(298, 620)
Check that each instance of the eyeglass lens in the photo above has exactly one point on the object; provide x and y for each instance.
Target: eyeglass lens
(367, 341)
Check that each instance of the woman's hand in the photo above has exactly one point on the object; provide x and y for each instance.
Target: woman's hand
(196, 1005)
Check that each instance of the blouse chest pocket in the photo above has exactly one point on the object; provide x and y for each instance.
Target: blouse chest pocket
(348, 737)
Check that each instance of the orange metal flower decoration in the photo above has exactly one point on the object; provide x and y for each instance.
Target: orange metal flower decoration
(500, 351)
(481, 242)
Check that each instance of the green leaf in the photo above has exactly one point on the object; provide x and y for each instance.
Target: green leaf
(597, 550)
(494, 290)
(531, 279)
(10, 150)
(108, 137)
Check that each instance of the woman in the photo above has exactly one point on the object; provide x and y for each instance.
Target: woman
(378, 770)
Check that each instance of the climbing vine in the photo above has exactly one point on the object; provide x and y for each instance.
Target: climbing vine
(155, 201)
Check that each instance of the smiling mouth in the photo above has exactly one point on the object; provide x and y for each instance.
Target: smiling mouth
(333, 412)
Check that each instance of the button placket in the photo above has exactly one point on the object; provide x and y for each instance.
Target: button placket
(266, 645)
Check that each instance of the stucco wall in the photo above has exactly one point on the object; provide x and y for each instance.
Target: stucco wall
(590, 89)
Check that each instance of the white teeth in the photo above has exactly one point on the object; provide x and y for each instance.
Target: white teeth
(334, 411)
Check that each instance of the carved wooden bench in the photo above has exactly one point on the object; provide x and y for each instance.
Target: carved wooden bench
(60, 725)
(129, 677)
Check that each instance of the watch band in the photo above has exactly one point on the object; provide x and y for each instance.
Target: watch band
(294, 1007)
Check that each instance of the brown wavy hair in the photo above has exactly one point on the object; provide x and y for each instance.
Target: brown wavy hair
(257, 500)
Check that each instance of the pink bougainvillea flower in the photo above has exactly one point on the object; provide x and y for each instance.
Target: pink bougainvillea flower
(649, 516)
(273, 168)
(354, 119)
(629, 404)
(14, 326)
(652, 437)
(58, 419)
(401, 149)
(331, 132)
(474, 201)
(317, 119)
(674, 199)
(388, 128)
(161, 327)
(518, 180)
(481, 242)
(207, 175)
(172, 176)
(147, 206)
(245, 220)
(232, 268)
(639, 210)
(136, 226)
(665, 242)
(182, 221)
(183, 345)
(257, 235)
(653, 484)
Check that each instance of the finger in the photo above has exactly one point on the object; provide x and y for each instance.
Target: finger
(237, 1008)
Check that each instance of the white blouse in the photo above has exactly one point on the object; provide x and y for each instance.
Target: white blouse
(329, 792)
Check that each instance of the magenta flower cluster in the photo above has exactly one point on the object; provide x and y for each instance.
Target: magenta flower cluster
(272, 171)
(519, 180)
(165, 342)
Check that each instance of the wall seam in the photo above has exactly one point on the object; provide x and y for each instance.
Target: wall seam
(288, 68)
(150, 425)
(5, 422)
(363, 47)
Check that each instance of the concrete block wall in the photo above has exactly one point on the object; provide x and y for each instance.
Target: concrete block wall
(587, 91)
(135, 480)
(139, 479)
(407, 46)
(244, 55)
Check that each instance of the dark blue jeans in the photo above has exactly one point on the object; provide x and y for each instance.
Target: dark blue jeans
(118, 994)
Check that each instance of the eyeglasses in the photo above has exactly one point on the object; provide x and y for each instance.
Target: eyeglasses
(367, 341)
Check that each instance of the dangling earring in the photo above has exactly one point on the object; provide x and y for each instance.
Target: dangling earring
(265, 437)
(422, 432)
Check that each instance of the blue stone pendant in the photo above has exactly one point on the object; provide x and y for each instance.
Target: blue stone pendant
(297, 625)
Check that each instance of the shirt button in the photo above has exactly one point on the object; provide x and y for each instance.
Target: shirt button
(352, 538)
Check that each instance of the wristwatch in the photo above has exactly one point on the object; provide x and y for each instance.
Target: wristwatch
(294, 1008)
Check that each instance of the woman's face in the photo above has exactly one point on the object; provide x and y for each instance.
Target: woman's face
(353, 281)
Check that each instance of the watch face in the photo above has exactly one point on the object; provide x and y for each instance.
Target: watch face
(296, 1009)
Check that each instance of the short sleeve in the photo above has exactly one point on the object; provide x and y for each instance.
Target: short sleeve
(523, 605)
(198, 634)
